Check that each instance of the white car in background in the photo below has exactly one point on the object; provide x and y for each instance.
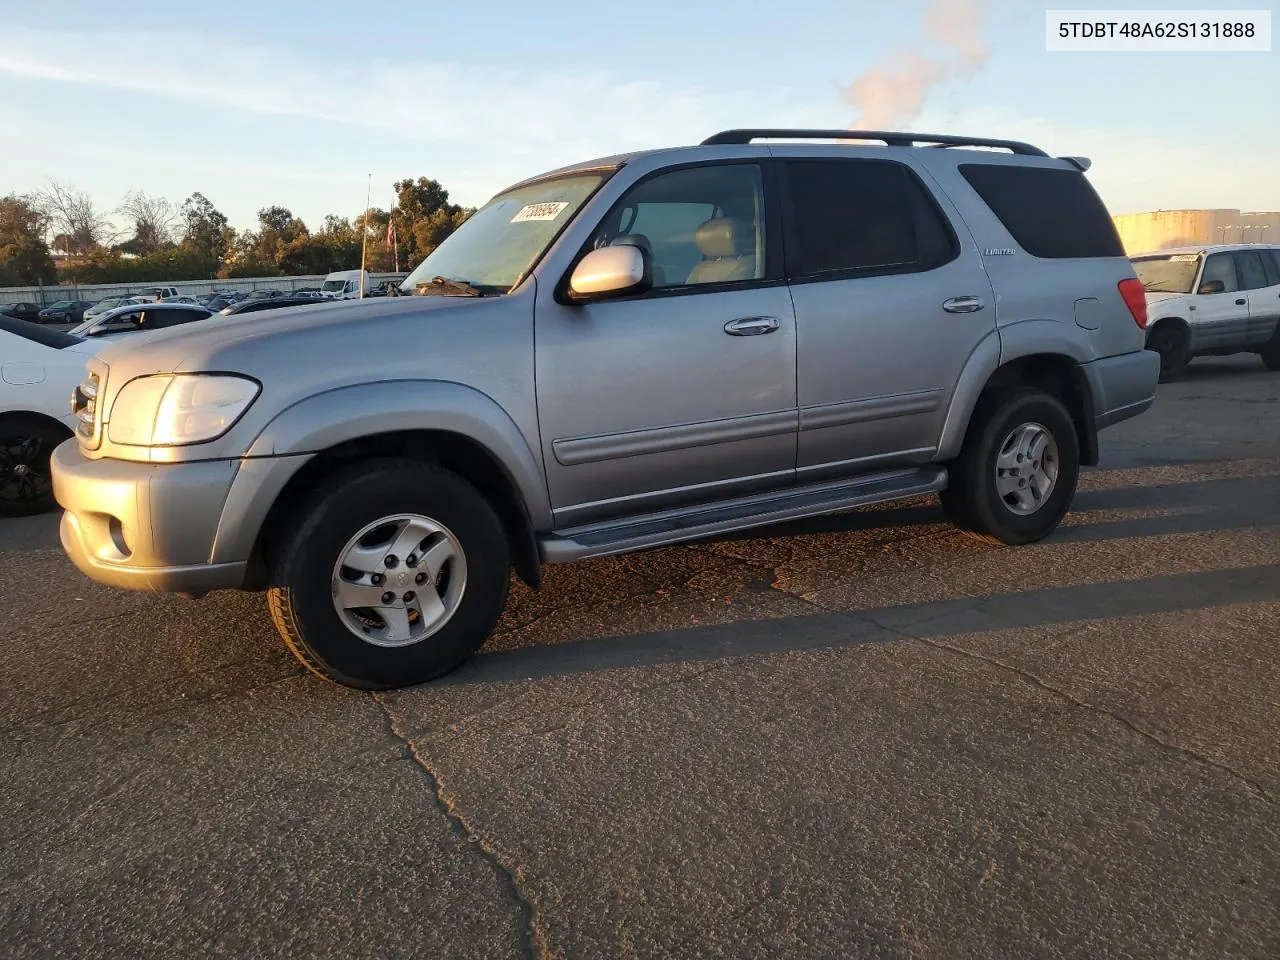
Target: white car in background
(109, 303)
(39, 369)
(1211, 301)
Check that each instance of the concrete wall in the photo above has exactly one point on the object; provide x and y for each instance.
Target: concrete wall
(1160, 229)
(188, 288)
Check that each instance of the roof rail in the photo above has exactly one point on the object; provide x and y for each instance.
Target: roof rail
(888, 137)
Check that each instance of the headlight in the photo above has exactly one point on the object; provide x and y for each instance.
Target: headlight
(181, 408)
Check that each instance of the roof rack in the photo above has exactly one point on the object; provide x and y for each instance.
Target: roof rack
(888, 137)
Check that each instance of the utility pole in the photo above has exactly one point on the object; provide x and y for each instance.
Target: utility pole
(364, 246)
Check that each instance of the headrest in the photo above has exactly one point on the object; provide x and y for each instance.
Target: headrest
(720, 237)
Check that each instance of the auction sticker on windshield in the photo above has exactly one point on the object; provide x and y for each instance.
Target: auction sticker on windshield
(539, 211)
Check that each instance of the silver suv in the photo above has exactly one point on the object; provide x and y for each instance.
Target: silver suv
(622, 354)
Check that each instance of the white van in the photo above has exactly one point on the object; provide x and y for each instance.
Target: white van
(345, 284)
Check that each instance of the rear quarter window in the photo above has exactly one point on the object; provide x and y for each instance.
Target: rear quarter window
(1051, 213)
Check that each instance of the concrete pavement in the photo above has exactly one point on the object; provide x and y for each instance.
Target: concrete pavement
(861, 736)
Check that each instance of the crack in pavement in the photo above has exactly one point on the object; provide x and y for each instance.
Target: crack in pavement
(1254, 786)
(508, 869)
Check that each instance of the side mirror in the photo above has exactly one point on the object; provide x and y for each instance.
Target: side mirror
(1212, 286)
(610, 272)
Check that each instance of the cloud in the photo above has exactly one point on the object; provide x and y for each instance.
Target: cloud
(564, 110)
(891, 95)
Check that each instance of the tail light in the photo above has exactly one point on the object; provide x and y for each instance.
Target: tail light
(1135, 298)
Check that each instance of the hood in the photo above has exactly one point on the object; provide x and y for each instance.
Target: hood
(387, 333)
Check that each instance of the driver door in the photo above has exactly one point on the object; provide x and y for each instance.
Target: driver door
(687, 392)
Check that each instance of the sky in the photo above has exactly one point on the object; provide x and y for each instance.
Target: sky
(298, 102)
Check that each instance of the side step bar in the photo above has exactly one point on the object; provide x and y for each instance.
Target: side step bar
(704, 520)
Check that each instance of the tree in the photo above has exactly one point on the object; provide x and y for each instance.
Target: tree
(74, 216)
(424, 217)
(24, 256)
(153, 219)
(205, 229)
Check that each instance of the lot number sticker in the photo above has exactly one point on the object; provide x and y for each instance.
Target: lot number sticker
(539, 211)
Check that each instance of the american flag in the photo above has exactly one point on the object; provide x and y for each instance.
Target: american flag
(391, 231)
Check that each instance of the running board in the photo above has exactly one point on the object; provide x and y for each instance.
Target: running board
(704, 520)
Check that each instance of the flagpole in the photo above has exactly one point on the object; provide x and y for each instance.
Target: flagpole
(364, 246)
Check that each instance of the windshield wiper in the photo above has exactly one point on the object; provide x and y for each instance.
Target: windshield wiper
(448, 287)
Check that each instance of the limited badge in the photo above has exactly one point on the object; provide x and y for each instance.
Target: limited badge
(539, 211)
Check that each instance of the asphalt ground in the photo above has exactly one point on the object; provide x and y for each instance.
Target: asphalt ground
(861, 736)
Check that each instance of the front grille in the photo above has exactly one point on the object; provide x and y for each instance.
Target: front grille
(84, 404)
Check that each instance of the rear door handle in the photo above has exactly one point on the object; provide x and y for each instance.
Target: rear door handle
(751, 326)
(963, 305)
(1240, 303)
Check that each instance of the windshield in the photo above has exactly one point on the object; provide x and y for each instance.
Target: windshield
(1171, 274)
(60, 305)
(494, 248)
(332, 286)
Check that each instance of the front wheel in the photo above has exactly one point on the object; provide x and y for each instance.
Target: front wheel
(1017, 472)
(26, 483)
(394, 573)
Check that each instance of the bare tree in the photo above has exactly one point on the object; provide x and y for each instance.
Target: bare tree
(71, 214)
(153, 220)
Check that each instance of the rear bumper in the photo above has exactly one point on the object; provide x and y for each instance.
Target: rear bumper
(1122, 386)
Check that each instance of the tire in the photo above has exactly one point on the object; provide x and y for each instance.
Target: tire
(377, 497)
(26, 487)
(1172, 344)
(973, 500)
(1271, 352)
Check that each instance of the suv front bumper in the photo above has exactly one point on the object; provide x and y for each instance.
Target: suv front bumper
(143, 526)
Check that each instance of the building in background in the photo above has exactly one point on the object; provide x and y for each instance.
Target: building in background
(1160, 229)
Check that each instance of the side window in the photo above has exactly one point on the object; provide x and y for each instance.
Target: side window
(861, 217)
(1220, 267)
(1271, 262)
(699, 225)
(1253, 275)
(126, 321)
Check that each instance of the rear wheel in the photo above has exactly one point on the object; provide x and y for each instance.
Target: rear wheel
(395, 572)
(1271, 352)
(1017, 472)
(26, 484)
(1173, 346)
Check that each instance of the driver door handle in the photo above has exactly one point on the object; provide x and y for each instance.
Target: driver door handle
(1240, 302)
(963, 305)
(751, 326)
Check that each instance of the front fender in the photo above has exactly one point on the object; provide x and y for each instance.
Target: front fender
(348, 413)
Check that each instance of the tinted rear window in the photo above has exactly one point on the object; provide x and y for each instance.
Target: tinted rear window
(1051, 213)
